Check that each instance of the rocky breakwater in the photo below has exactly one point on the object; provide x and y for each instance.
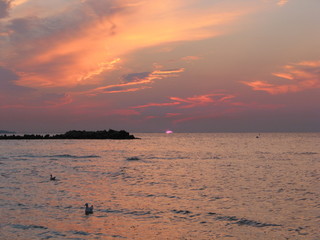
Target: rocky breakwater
(75, 134)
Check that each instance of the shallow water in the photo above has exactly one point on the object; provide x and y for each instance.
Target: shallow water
(175, 186)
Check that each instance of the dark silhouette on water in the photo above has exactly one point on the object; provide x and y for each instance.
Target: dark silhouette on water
(5, 131)
(52, 178)
(88, 210)
(75, 134)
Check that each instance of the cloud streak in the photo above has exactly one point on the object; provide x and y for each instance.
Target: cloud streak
(192, 102)
(207, 106)
(297, 77)
(130, 81)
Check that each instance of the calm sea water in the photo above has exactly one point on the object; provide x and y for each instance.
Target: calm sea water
(176, 186)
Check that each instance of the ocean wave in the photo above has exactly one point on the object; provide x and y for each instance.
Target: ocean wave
(167, 158)
(56, 156)
(307, 153)
(246, 222)
(81, 233)
(73, 156)
(133, 159)
(25, 227)
(303, 153)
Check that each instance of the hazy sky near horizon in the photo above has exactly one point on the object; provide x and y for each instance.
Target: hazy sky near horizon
(180, 65)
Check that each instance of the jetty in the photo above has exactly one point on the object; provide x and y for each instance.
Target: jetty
(74, 134)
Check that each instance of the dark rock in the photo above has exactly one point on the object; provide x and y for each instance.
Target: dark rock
(75, 134)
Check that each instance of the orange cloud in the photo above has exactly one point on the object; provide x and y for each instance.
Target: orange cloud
(75, 43)
(18, 2)
(282, 2)
(283, 75)
(302, 76)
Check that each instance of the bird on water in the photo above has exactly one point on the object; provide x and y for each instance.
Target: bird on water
(88, 210)
(52, 178)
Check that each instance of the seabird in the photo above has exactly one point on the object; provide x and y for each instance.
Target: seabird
(88, 210)
(52, 178)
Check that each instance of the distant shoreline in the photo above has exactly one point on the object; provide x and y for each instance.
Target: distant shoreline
(6, 132)
(73, 134)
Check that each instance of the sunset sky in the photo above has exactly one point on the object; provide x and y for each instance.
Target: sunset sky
(153, 66)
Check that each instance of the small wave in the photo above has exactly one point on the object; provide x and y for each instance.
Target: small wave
(57, 156)
(167, 158)
(139, 213)
(81, 233)
(112, 211)
(182, 211)
(246, 222)
(303, 153)
(133, 159)
(127, 212)
(308, 153)
(51, 234)
(25, 227)
(73, 156)
(117, 236)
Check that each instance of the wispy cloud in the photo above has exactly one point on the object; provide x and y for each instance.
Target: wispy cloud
(192, 102)
(295, 77)
(207, 106)
(190, 58)
(157, 105)
(130, 81)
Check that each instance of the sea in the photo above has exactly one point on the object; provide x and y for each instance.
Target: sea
(233, 186)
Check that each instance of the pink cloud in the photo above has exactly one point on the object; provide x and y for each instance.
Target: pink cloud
(157, 105)
(190, 58)
(170, 115)
(207, 106)
(192, 102)
(302, 76)
(202, 100)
